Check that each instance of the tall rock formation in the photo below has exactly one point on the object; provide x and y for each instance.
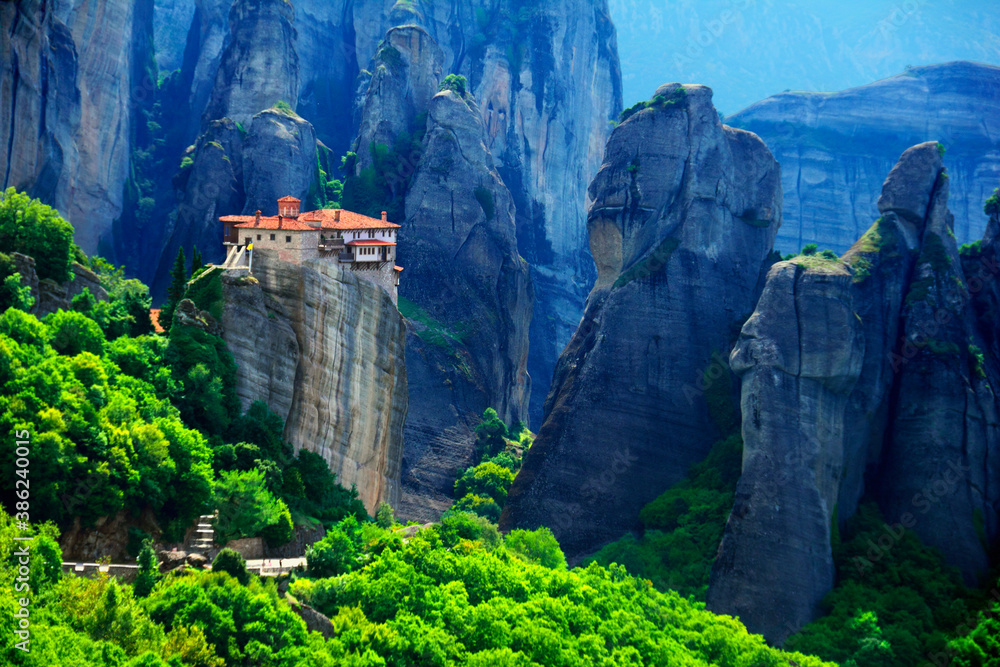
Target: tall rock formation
(861, 376)
(171, 21)
(835, 148)
(260, 66)
(466, 292)
(685, 212)
(325, 350)
(71, 75)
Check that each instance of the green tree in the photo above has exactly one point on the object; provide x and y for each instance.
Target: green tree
(491, 434)
(196, 263)
(73, 333)
(231, 561)
(536, 546)
(149, 570)
(178, 285)
(336, 553)
(15, 294)
(456, 83)
(30, 227)
(486, 479)
(246, 507)
(384, 516)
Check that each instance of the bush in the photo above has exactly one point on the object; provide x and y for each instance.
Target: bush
(248, 509)
(30, 227)
(384, 516)
(232, 562)
(536, 546)
(337, 553)
(149, 570)
(483, 506)
(72, 333)
(491, 434)
(456, 83)
(486, 479)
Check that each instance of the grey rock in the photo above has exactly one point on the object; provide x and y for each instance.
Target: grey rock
(349, 397)
(472, 299)
(279, 159)
(171, 22)
(835, 148)
(259, 66)
(685, 211)
(70, 75)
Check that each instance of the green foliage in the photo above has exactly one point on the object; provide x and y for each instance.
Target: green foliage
(248, 509)
(940, 149)
(15, 294)
(384, 516)
(310, 489)
(30, 227)
(485, 199)
(893, 605)
(337, 553)
(178, 285)
(536, 546)
(479, 505)
(207, 372)
(809, 249)
(149, 572)
(676, 98)
(456, 83)
(486, 479)
(491, 434)
(684, 525)
(445, 597)
(981, 646)
(285, 108)
(992, 205)
(71, 333)
(232, 563)
(974, 249)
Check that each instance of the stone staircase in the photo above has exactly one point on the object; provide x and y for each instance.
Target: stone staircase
(204, 535)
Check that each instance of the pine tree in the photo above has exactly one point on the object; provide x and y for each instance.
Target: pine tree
(196, 262)
(148, 570)
(178, 285)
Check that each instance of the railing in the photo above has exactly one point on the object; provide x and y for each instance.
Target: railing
(346, 257)
(332, 245)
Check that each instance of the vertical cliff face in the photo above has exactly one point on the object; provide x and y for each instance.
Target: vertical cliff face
(835, 148)
(685, 211)
(171, 21)
(326, 351)
(260, 66)
(71, 74)
(861, 376)
(469, 295)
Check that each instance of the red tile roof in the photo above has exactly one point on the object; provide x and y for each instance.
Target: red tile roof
(154, 317)
(348, 220)
(289, 200)
(287, 224)
(398, 268)
(368, 242)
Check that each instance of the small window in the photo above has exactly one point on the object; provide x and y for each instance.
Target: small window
(247, 241)
(288, 239)
(272, 237)
(258, 237)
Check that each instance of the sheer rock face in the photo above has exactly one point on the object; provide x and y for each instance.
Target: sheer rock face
(860, 378)
(835, 149)
(326, 351)
(685, 211)
(259, 66)
(472, 300)
(70, 74)
(171, 21)
(279, 158)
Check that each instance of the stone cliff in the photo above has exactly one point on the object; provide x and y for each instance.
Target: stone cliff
(835, 148)
(71, 76)
(325, 350)
(863, 376)
(685, 212)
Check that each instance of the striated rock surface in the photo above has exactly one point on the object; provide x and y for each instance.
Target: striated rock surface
(469, 298)
(171, 21)
(862, 377)
(326, 351)
(279, 158)
(259, 66)
(835, 148)
(685, 211)
(70, 77)
(51, 296)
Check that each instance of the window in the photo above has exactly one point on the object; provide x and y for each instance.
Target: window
(258, 237)
(288, 239)
(246, 241)
(272, 237)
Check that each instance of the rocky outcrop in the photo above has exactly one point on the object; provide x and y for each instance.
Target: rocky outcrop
(469, 297)
(171, 21)
(861, 376)
(279, 159)
(835, 148)
(685, 211)
(259, 66)
(71, 75)
(50, 296)
(341, 340)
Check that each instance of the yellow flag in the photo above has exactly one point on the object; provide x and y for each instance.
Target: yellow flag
(249, 246)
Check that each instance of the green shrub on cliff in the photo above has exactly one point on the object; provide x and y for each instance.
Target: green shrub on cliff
(30, 227)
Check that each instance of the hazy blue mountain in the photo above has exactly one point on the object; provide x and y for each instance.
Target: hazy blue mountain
(746, 50)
